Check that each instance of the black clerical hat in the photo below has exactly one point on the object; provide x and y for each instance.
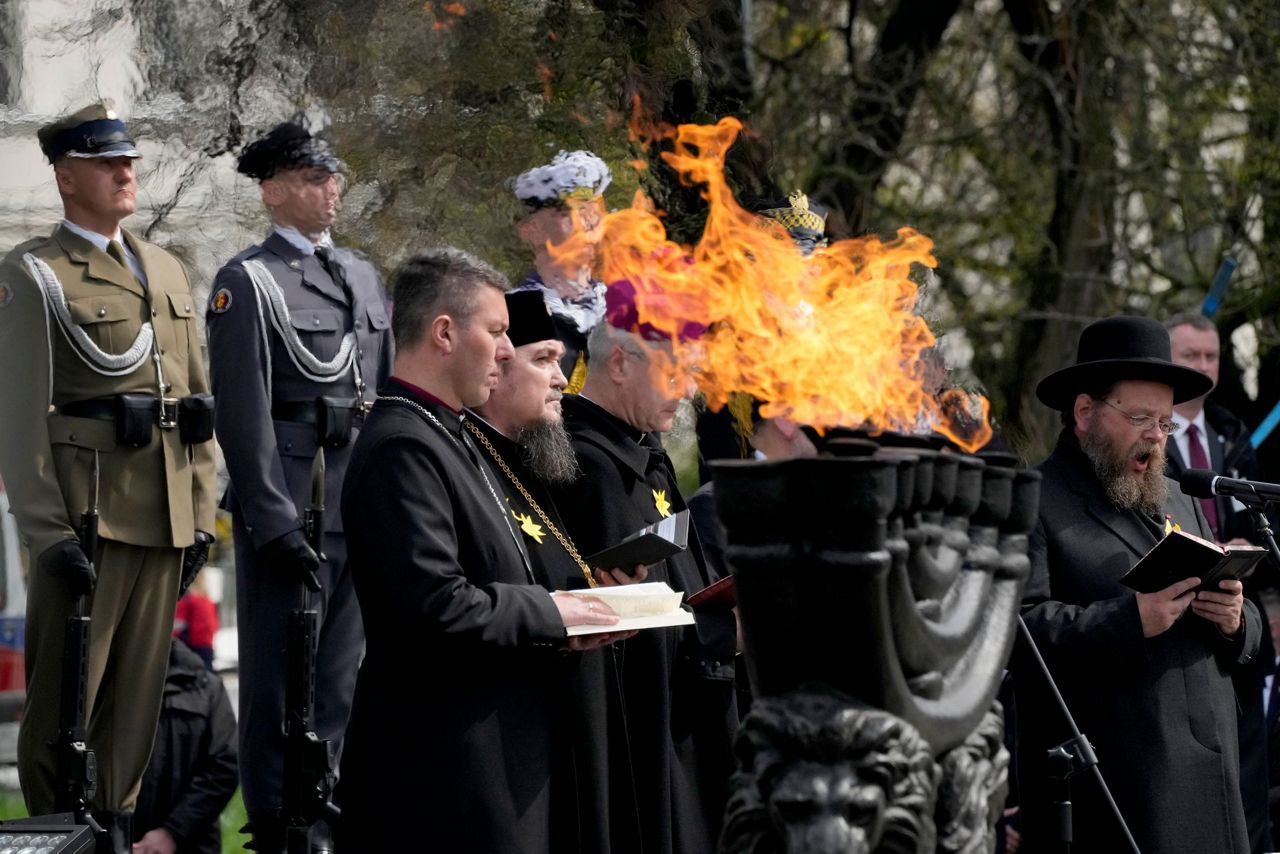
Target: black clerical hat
(530, 318)
(288, 145)
(1121, 348)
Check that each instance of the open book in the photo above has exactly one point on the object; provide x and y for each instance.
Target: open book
(649, 545)
(1181, 555)
(651, 605)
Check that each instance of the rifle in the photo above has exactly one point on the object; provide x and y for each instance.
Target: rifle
(308, 759)
(77, 765)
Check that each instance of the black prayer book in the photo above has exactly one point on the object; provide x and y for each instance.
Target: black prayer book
(649, 545)
(1181, 555)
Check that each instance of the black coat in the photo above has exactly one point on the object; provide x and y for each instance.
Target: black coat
(677, 682)
(451, 725)
(1160, 711)
(192, 773)
(593, 799)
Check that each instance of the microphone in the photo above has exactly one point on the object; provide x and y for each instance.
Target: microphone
(1203, 483)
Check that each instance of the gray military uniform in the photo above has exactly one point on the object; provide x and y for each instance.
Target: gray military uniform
(256, 374)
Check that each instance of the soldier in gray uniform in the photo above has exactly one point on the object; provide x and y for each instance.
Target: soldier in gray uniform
(299, 341)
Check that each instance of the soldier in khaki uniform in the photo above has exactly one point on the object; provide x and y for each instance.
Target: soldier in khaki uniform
(100, 351)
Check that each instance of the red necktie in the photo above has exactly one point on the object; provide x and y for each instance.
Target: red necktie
(1195, 453)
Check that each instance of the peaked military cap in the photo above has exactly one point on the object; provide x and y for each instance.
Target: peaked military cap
(288, 145)
(93, 131)
(530, 319)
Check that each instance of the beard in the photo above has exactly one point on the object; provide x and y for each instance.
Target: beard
(1145, 492)
(548, 452)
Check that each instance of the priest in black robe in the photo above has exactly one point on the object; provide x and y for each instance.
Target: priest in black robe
(677, 682)
(450, 730)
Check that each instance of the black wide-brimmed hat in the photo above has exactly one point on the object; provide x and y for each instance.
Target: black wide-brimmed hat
(1121, 348)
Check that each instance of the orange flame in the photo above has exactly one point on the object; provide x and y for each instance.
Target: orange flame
(828, 340)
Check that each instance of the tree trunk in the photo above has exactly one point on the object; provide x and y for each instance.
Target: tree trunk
(1067, 280)
(848, 176)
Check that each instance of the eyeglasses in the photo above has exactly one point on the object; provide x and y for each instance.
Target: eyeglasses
(1143, 422)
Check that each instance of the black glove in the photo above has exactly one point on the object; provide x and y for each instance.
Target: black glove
(194, 557)
(291, 553)
(66, 560)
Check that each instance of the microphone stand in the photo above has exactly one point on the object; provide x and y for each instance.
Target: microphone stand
(1072, 756)
(1258, 507)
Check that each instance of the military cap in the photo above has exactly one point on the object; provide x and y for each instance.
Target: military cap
(94, 131)
(286, 146)
(570, 175)
(530, 319)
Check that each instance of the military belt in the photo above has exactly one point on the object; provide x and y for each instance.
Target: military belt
(334, 418)
(134, 416)
(164, 410)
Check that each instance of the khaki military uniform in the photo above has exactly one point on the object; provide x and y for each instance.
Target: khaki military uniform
(152, 499)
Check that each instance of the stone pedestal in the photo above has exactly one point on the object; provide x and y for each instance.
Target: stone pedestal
(878, 592)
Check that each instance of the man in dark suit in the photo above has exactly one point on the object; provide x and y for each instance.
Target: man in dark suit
(1148, 676)
(677, 682)
(451, 727)
(299, 340)
(1209, 436)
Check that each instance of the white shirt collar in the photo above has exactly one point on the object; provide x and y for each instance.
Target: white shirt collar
(98, 240)
(300, 242)
(1183, 423)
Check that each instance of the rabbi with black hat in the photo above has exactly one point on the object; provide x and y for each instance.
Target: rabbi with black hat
(94, 319)
(299, 341)
(1147, 675)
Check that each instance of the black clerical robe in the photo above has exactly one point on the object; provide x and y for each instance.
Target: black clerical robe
(593, 799)
(677, 682)
(450, 730)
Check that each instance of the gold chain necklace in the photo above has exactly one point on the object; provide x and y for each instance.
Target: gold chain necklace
(524, 493)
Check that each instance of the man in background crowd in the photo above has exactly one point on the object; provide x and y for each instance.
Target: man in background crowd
(1209, 436)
